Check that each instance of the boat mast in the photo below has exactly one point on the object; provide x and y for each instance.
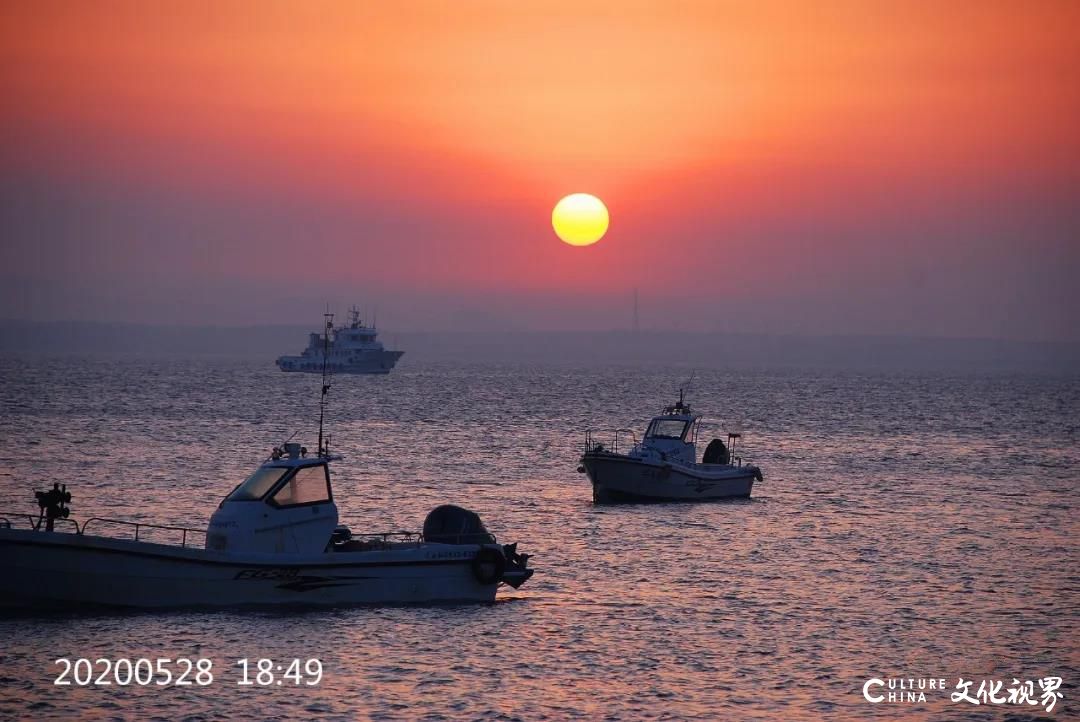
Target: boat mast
(325, 386)
(636, 324)
(687, 385)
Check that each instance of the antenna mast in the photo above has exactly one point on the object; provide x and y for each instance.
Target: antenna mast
(325, 386)
(636, 325)
(687, 385)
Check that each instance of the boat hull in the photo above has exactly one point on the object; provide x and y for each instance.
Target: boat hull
(52, 569)
(369, 362)
(618, 478)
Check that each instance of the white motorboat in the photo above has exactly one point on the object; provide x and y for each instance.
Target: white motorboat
(663, 465)
(352, 348)
(274, 540)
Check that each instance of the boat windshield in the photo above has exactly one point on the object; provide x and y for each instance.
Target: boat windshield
(667, 429)
(256, 485)
(309, 485)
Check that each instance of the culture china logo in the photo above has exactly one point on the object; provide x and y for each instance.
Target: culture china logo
(1043, 692)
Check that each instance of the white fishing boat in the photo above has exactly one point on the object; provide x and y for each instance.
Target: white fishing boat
(352, 348)
(275, 539)
(663, 465)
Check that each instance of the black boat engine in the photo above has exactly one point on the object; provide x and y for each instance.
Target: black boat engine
(716, 453)
(449, 524)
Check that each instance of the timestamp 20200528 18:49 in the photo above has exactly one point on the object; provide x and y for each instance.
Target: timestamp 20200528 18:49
(185, 671)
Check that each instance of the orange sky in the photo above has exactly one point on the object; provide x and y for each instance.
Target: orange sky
(423, 144)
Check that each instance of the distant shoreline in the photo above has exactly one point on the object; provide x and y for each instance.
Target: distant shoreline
(620, 347)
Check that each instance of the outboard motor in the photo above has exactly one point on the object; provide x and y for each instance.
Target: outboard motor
(716, 453)
(449, 524)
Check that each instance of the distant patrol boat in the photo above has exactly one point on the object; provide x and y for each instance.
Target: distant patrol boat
(348, 349)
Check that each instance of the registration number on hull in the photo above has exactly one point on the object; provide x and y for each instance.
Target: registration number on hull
(271, 574)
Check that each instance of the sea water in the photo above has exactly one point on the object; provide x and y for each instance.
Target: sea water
(910, 526)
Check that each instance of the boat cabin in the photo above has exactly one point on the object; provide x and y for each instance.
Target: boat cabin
(285, 506)
(673, 434)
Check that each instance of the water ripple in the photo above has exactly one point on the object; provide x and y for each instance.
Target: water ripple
(904, 528)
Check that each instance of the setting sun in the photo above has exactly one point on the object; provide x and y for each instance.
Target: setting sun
(580, 219)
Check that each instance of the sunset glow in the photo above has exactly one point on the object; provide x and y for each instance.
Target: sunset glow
(559, 360)
(916, 156)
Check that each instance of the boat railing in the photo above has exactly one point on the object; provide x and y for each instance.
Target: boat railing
(139, 528)
(404, 537)
(5, 519)
(592, 444)
(34, 522)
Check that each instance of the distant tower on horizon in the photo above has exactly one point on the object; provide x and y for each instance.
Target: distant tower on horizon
(636, 324)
